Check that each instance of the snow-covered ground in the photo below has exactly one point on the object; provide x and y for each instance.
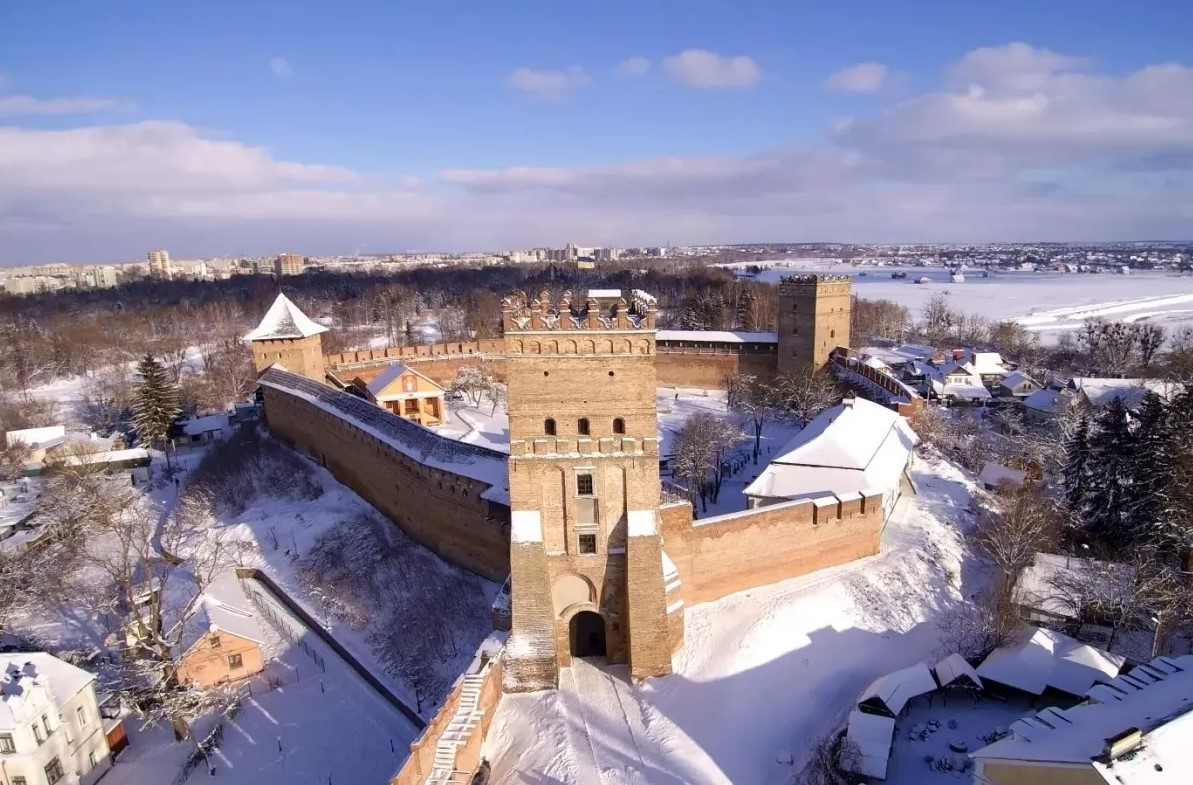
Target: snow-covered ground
(1045, 302)
(764, 673)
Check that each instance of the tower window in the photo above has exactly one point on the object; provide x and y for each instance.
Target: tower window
(584, 484)
(582, 426)
(549, 426)
(587, 543)
(618, 425)
(795, 329)
(832, 333)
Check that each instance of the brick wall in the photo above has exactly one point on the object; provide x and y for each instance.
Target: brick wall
(468, 755)
(693, 366)
(438, 509)
(730, 553)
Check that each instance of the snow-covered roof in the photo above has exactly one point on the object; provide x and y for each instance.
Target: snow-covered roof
(1102, 392)
(36, 437)
(392, 372)
(855, 446)
(1016, 378)
(284, 320)
(954, 668)
(892, 691)
(1160, 710)
(1039, 658)
(716, 336)
(20, 671)
(1058, 584)
(604, 294)
(226, 608)
(406, 436)
(875, 363)
(202, 425)
(872, 736)
(1043, 400)
(967, 391)
(107, 456)
(986, 363)
(996, 474)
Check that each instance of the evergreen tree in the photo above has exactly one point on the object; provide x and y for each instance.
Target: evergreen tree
(155, 402)
(1076, 470)
(1152, 470)
(1108, 496)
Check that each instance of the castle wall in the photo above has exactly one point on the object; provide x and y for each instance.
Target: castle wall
(677, 363)
(731, 553)
(439, 509)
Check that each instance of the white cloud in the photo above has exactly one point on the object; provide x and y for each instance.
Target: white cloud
(860, 78)
(26, 105)
(636, 65)
(281, 67)
(704, 69)
(549, 85)
(1018, 144)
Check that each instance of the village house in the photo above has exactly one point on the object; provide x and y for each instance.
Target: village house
(226, 636)
(854, 447)
(407, 393)
(50, 725)
(1017, 385)
(1091, 394)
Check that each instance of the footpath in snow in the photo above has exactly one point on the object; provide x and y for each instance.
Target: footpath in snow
(764, 674)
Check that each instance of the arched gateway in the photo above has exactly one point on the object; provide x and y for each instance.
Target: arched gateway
(587, 635)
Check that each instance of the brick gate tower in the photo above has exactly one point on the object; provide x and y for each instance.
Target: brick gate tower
(289, 337)
(814, 317)
(586, 574)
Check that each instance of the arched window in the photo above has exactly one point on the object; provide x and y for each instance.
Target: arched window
(582, 426)
(618, 425)
(549, 426)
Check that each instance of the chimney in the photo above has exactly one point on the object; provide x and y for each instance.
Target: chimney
(1120, 744)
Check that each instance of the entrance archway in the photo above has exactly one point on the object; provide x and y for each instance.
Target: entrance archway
(588, 635)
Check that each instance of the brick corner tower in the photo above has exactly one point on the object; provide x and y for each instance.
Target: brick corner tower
(814, 319)
(586, 562)
(287, 336)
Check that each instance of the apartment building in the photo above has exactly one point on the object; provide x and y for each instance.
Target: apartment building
(288, 264)
(159, 264)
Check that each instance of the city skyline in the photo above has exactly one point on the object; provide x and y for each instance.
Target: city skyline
(374, 130)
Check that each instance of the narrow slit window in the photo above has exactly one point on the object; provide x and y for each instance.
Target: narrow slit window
(549, 426)
(618, 425)
(582, 426)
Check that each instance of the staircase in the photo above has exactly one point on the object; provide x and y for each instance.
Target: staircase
(458, 732)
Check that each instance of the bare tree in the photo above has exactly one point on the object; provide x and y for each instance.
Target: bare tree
(1027, 524)
(975, 628)
(701, 446)
(832, 761)
(754, 400)
(805, 393)
(473, 382)
(1148, 340)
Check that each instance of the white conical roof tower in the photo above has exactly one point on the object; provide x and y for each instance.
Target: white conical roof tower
(284, 320)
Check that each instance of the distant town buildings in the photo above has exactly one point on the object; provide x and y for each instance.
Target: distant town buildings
(159, 264)
(288, 264)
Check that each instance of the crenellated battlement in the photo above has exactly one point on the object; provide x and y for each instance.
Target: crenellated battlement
(518, 313)
(808, 284)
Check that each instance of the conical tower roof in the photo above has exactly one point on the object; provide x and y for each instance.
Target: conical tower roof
(284, 320)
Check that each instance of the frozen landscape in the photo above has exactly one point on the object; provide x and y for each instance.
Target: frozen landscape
(1045, 302)
(764, 674)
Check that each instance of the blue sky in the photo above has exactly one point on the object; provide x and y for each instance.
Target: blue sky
(394, 125)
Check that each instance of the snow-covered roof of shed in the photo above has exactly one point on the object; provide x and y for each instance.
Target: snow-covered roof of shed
(1043, 400)
(1037, 659)
(1102, 391)
(36, 437)
(284, 320)
(1057, 584)
(225, 607)
(406, 436)
(954, 667)
(1015, 378)
(604, 294)
(872, 736)
(1161, 710)
(896, 688)
(716, 336)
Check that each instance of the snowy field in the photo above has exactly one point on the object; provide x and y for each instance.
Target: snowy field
(764, 673)
(1045, 302)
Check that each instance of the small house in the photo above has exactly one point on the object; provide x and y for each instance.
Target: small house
(995, 476)
(407, 393)
(226, 636)
(1017, 385)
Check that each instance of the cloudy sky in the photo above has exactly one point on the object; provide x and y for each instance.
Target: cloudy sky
(225, 127)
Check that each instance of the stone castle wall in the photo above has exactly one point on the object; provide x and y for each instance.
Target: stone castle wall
(677, 363)
(440, 509)
(731, 553)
